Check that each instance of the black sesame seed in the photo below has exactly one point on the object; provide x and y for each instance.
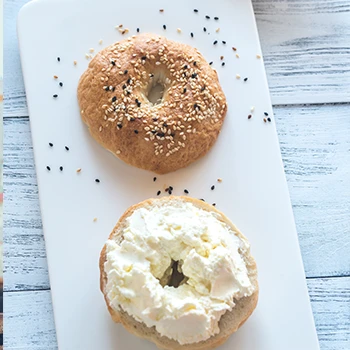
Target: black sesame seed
(143, 58)
(216, 18)
(132, 119)
(170, 191)
(269, 119)
(136, 131)
(194, 75)
(186, 191)
(119, 125)
(195, 10)
(212, 187)
(214, 204)
(97, 180)
(204, 29)
(48, 168)
(249, 116)
(223, 63)
(192, 35)
(266, 114)
(124, 86)
(151, 75)
(61, 84)
(210, 63)
(114, 98)
(112, 63)
(184, 91)
(203, 88)
(113, 88)
(126, 71)
(160, 134)
(138, 30)
(245, 79)
(55, 96)
(164, 26)
(158, 193)
(61, 168)
(67, 148)
(215, 42)
(171, 188)
(165, 124)
(167, 189)
(58, 59)
(154, 179)
(202, 199)
(207, 17)
(195, 63)
(139, 104)
(185, 66)
(224, 42)
(153, 131)
(50, 144)
(128, 81)
(107, 88)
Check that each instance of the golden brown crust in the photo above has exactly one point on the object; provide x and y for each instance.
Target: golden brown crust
(164, 137)
(229, 322)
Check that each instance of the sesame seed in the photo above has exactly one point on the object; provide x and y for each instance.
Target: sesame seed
(158, 193)
(75, 63)
(184, 90)
(212, 187)
(164, 26)
(179, 30)
(114, 98)
(249, 116)
(265, 113)
(215, 42)
(94, 220)
(118, 152)
(202, 199)
(55, 77)
(210, 63)
(269, 119)
(154, 179)
(233, 48)
(171, 188)
(112, 63)
(238, 76)
(219, 179)
(60, 84)
(100, 41)
(126, 71)
(186, 191)
(97, 180)
(214, 204)
(265, 120)
(195, 10)
(67, 148)
(55, 96)
(207, 17)
(170, 191)
(258, 56)
(78, 170)
(223, 63)
(61, 168)
(136, 131)
(237, 55)
(48, 168)
(245, 79)
(252, 109)
(58, 59)
(217, 30)
(50, 144)
(192, 35)
(204, 29)
(216, 18)
(138, 30)
(161, 10)
(224, 42)
(194, 75)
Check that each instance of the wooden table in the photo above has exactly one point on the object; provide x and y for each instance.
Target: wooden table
(306, 46)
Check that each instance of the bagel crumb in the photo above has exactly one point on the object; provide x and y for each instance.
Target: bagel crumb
(92, 49)
(75, 63)
(94, 220)
(100, 41)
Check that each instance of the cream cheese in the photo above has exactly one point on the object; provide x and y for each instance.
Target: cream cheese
(208, 253)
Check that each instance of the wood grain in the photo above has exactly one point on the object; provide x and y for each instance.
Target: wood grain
(315, 147)
(306, 46)
(31, 312)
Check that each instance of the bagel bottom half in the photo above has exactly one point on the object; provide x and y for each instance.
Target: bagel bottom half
(229, 322)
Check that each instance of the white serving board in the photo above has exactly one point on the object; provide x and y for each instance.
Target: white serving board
(253, 193)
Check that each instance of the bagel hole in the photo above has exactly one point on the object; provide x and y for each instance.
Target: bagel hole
(176, 278)
(156, 93)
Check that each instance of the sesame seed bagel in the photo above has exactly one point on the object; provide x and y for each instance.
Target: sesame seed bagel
(229, 322)
(164, 136)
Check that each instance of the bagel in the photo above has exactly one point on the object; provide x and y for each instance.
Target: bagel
(161, 136)
(128, 289)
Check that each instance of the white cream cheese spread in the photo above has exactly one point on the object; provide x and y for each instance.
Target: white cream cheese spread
(208, 253)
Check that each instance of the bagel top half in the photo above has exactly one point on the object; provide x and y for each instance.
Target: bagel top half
(163, 136)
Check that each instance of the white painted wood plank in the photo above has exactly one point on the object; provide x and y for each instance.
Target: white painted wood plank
(29, 322)
(315, 148)
(306, 46)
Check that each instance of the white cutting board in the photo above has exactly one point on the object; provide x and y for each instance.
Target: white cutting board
(253, 193)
